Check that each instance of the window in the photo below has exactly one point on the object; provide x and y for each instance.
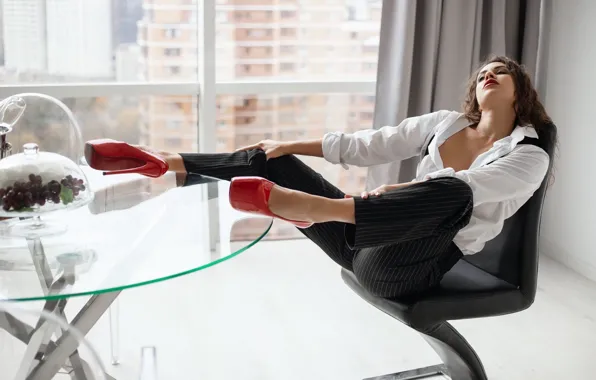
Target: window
(370, 66)
(173, 124)
(285, 66)
(370, 49)
(272, 41)
(367, 116)
(258, 33)
(287, 32)
(172, 33)
(287, 109)
(239, 15)
(173, 142)
(287, 49)
(221, 17)
(318, 29)
(171, 52)
(286, 100)
(287, 117)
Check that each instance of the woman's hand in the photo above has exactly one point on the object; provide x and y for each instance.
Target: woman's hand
(272, 148)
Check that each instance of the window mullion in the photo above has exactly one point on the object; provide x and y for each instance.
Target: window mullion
(206, 70)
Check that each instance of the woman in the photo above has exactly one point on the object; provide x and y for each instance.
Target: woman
(478, 168)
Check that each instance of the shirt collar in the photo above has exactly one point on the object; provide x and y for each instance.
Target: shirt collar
(500, 148)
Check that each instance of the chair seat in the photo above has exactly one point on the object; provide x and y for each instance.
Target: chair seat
(466, 291)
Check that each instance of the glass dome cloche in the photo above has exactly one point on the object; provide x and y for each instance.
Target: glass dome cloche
(41, 145)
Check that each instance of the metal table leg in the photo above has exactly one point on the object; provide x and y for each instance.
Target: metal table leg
(67, 344)
(44, 357)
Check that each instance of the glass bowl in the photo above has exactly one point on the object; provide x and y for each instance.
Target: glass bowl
(44, 176)
(35, 182)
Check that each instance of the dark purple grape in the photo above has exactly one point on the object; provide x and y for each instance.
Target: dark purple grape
(54, 188)
(41, 201)
(32, 177)
(38, 179)
(2, 192)
(8, 188)
(6, 207)
(56, 198)
(20, 196)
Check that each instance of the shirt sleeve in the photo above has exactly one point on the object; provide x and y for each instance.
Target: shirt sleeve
(379, 146)
(518, 174)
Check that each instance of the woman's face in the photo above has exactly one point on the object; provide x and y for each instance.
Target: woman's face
(495, 86)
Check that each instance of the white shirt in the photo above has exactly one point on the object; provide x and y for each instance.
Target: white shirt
(499, 189)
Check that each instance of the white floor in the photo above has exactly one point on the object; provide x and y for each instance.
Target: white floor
(281, 311)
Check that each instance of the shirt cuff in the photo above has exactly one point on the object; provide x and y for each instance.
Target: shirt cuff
(332, 148)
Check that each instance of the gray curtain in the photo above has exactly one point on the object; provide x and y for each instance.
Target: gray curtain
(429, 48)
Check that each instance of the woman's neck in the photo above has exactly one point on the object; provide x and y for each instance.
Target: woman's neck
(495, 124)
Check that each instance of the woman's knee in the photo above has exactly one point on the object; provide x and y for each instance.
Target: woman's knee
(454, 185)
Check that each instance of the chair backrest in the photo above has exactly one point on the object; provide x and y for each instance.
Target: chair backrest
(513, 254)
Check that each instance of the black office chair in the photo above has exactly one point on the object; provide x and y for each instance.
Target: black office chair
(501, 279)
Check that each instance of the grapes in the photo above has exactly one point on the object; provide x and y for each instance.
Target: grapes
(27, 194)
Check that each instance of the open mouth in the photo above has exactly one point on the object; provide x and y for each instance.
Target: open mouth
(489, 82)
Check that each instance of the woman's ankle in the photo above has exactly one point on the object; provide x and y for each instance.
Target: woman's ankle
(175, 163)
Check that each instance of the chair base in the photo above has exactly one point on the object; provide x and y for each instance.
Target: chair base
(418, 373)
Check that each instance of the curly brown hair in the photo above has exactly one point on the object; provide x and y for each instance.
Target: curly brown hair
(528, 108)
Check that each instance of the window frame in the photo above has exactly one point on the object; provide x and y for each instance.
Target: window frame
(205, 87)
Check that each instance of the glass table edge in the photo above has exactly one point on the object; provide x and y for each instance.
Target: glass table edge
(142, 283)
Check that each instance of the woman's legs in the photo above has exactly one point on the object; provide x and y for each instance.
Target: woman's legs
(405, 243)
(401, 242)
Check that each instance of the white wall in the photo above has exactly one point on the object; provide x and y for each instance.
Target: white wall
(569, 219)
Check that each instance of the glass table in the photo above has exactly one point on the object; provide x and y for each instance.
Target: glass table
(137, 231)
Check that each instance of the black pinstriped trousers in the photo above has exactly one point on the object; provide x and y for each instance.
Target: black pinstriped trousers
(402, 242)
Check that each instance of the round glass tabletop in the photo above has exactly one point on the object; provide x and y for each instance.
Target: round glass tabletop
(136, 231)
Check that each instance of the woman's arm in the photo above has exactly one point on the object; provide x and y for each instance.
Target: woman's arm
(312, 148)
(379, 146)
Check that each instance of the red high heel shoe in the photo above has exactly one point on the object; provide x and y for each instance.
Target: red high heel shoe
(117, 157)
(251, 194)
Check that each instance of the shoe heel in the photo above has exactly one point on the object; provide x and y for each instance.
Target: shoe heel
(149, 169)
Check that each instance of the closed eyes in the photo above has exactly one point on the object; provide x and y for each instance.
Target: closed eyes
(498, 70)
